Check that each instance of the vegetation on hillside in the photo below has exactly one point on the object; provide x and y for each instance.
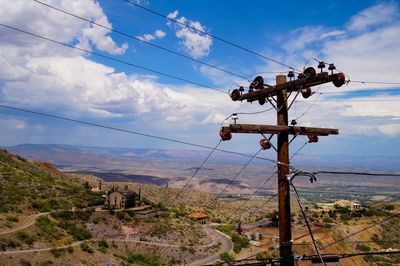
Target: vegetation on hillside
(38, 187)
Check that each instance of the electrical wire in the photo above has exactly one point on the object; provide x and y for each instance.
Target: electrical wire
(311, 106)
(113, 58)
(208, 34)
(357, 242)
(359, 231)
(247, 113)
(195, 172)
(136, 133)
(361, 91)
(375, 82)
(140, 40)
(308, 224)
(238, 174)
(353, 173)
(302, 146)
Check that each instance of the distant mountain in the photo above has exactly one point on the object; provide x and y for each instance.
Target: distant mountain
(62, 155)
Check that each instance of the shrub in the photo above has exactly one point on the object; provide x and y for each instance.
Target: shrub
(225, 257)
(86, 247)
(78, 233)
(12, 218)
(24, 262)
(25, 237)
(140, 259)
(57, 252)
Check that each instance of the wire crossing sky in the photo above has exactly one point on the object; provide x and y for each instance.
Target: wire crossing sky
(161, 67)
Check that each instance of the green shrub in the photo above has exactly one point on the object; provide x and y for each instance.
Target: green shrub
(225, 257)
(12, 218)
(45, 263)
(86, 247)
(57, 252)
(78, 233)
(26, 237)
(24, 262)
(47, 228)
(140, 259)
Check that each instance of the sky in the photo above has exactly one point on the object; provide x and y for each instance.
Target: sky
(362, 39)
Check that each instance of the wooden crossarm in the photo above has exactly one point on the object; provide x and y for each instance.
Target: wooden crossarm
(270, 129)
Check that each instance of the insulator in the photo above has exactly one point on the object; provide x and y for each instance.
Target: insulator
(310, 73)
(306, 92)
(300, 76)
(261, 101)
(235, 95)
(290, 74)
(321, 65)
(225, 135)
(331, 67)
(339, 79)
(257, 84)
(241, 89)
(312, 138)
(265, 145)
(294, 122)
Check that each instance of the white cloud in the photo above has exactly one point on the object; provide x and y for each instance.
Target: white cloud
(374, 16)
(194, 42)
(158, 34)
(36, 18)
(366, 49)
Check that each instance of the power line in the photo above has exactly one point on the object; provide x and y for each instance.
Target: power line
(353, 173)
(357, 242)
(133, 132)
(195, 172)
(140, 40)
(375, 82)
(361, 91)
(238, 174)
(348, 255)
(362, 230)
(113, 58)
(208, 34)
(308, 224)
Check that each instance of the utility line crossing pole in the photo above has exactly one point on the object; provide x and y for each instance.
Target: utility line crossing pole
(258, 91)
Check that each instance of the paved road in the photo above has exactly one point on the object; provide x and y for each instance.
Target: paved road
(226, 246)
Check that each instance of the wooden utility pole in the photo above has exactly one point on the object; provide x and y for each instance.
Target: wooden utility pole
(260, 92)
(285, 232)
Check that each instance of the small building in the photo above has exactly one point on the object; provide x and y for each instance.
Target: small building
(200, 218)
(342, 203)
(122, 198)
(96, 189)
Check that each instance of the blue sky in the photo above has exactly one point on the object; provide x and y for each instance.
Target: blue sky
(362, 38)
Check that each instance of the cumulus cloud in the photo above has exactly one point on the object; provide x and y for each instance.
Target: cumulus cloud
(158, 34)
(36, 18)
(366, 48)
(194, 42)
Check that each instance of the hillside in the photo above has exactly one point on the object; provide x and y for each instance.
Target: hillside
(30, 187)
(48, 217)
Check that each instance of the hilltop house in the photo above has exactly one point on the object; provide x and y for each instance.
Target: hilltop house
(342, 203)
(122, 198)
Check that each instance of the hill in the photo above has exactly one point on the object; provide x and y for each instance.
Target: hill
(31, 186)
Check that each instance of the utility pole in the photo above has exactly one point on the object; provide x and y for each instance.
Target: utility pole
(285, 234)
(277, 96)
